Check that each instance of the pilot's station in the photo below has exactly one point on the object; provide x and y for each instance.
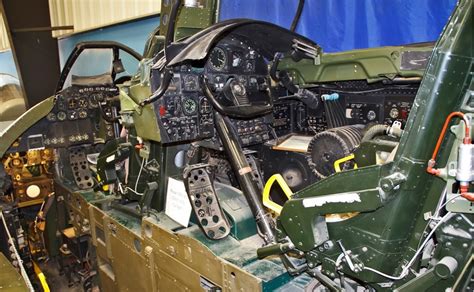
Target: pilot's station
(236, 145)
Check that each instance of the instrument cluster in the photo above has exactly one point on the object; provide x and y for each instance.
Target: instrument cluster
(75, 118)
(234, 59)
(382, 105)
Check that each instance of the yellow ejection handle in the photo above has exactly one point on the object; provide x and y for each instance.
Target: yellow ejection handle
(41, 277)
(337, 163)
(267, 202)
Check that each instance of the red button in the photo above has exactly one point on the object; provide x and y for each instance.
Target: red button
(162, 110)
(404, 114)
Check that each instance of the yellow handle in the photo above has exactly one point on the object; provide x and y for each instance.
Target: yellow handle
(267, 202)
(337, 163)
(41, 277)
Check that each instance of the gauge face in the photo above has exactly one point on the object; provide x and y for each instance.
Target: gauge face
(61, 116)
(190, 83)
(371, 115)
(236, 60)
(94, 100)
(82, 114)
(72, 115)
(250, 66)
(72, 103)
(218, 59)
(82, 102)
(394, 113)
(51, 117)
(205, 106)
(189, 106)
(243, 80)
(61, 103)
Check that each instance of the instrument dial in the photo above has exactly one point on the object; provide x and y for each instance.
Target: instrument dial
(51, 117)
(72, 115)
(82, 114)
(205, 106)
(95, 99)
(82, 102)
(72, 103)
(61, 116)
(189, 106)
(190, 83)
(394, 113)
(218, 59)
(371, 115)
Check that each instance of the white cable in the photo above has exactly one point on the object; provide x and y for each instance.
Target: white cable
(445, 203)
(139, 173)
(407, 267)
(20, 261)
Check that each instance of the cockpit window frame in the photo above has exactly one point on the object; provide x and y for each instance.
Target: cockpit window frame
(81, 47)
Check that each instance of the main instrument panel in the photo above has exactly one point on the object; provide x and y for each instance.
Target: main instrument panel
(185, 114)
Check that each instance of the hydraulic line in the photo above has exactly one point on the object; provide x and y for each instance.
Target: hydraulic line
(466, 140)
(466, 143)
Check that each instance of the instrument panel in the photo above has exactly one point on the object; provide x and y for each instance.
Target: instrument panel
(185, 114)
(76, 116)
(233, 59)
(358, 103)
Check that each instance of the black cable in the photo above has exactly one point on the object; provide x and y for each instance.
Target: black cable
(169, 37)
(296, 19)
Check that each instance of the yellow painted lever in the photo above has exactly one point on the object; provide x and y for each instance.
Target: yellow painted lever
(41, 277)
(337, 163)
(267, 202)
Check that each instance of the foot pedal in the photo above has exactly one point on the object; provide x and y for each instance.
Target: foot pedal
(80, 168)
(198, 180)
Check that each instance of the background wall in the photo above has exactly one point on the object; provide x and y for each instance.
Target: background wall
(7, 65)
(339, 25)
(133, 34)
(335, 24)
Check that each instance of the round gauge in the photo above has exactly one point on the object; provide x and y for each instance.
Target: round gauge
(72, 115)
(189, 106)
(82, 102)
(190, 83)
(218, 59)
(82, 114)
(243, 80)
(94, 100)
(61, 116)
(72, 103)
(51, 117)
(394, 113)
(61, 102)
(205, 106)
(33, 191)
(236, 59)
(371, 115)
(250, 66)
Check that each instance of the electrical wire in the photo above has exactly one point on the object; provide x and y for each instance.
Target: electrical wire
(297, 17)
(139, 174)
(17, 255)
(417, 253)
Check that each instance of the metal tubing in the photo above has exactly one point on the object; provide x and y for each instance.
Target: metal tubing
(243, 171)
